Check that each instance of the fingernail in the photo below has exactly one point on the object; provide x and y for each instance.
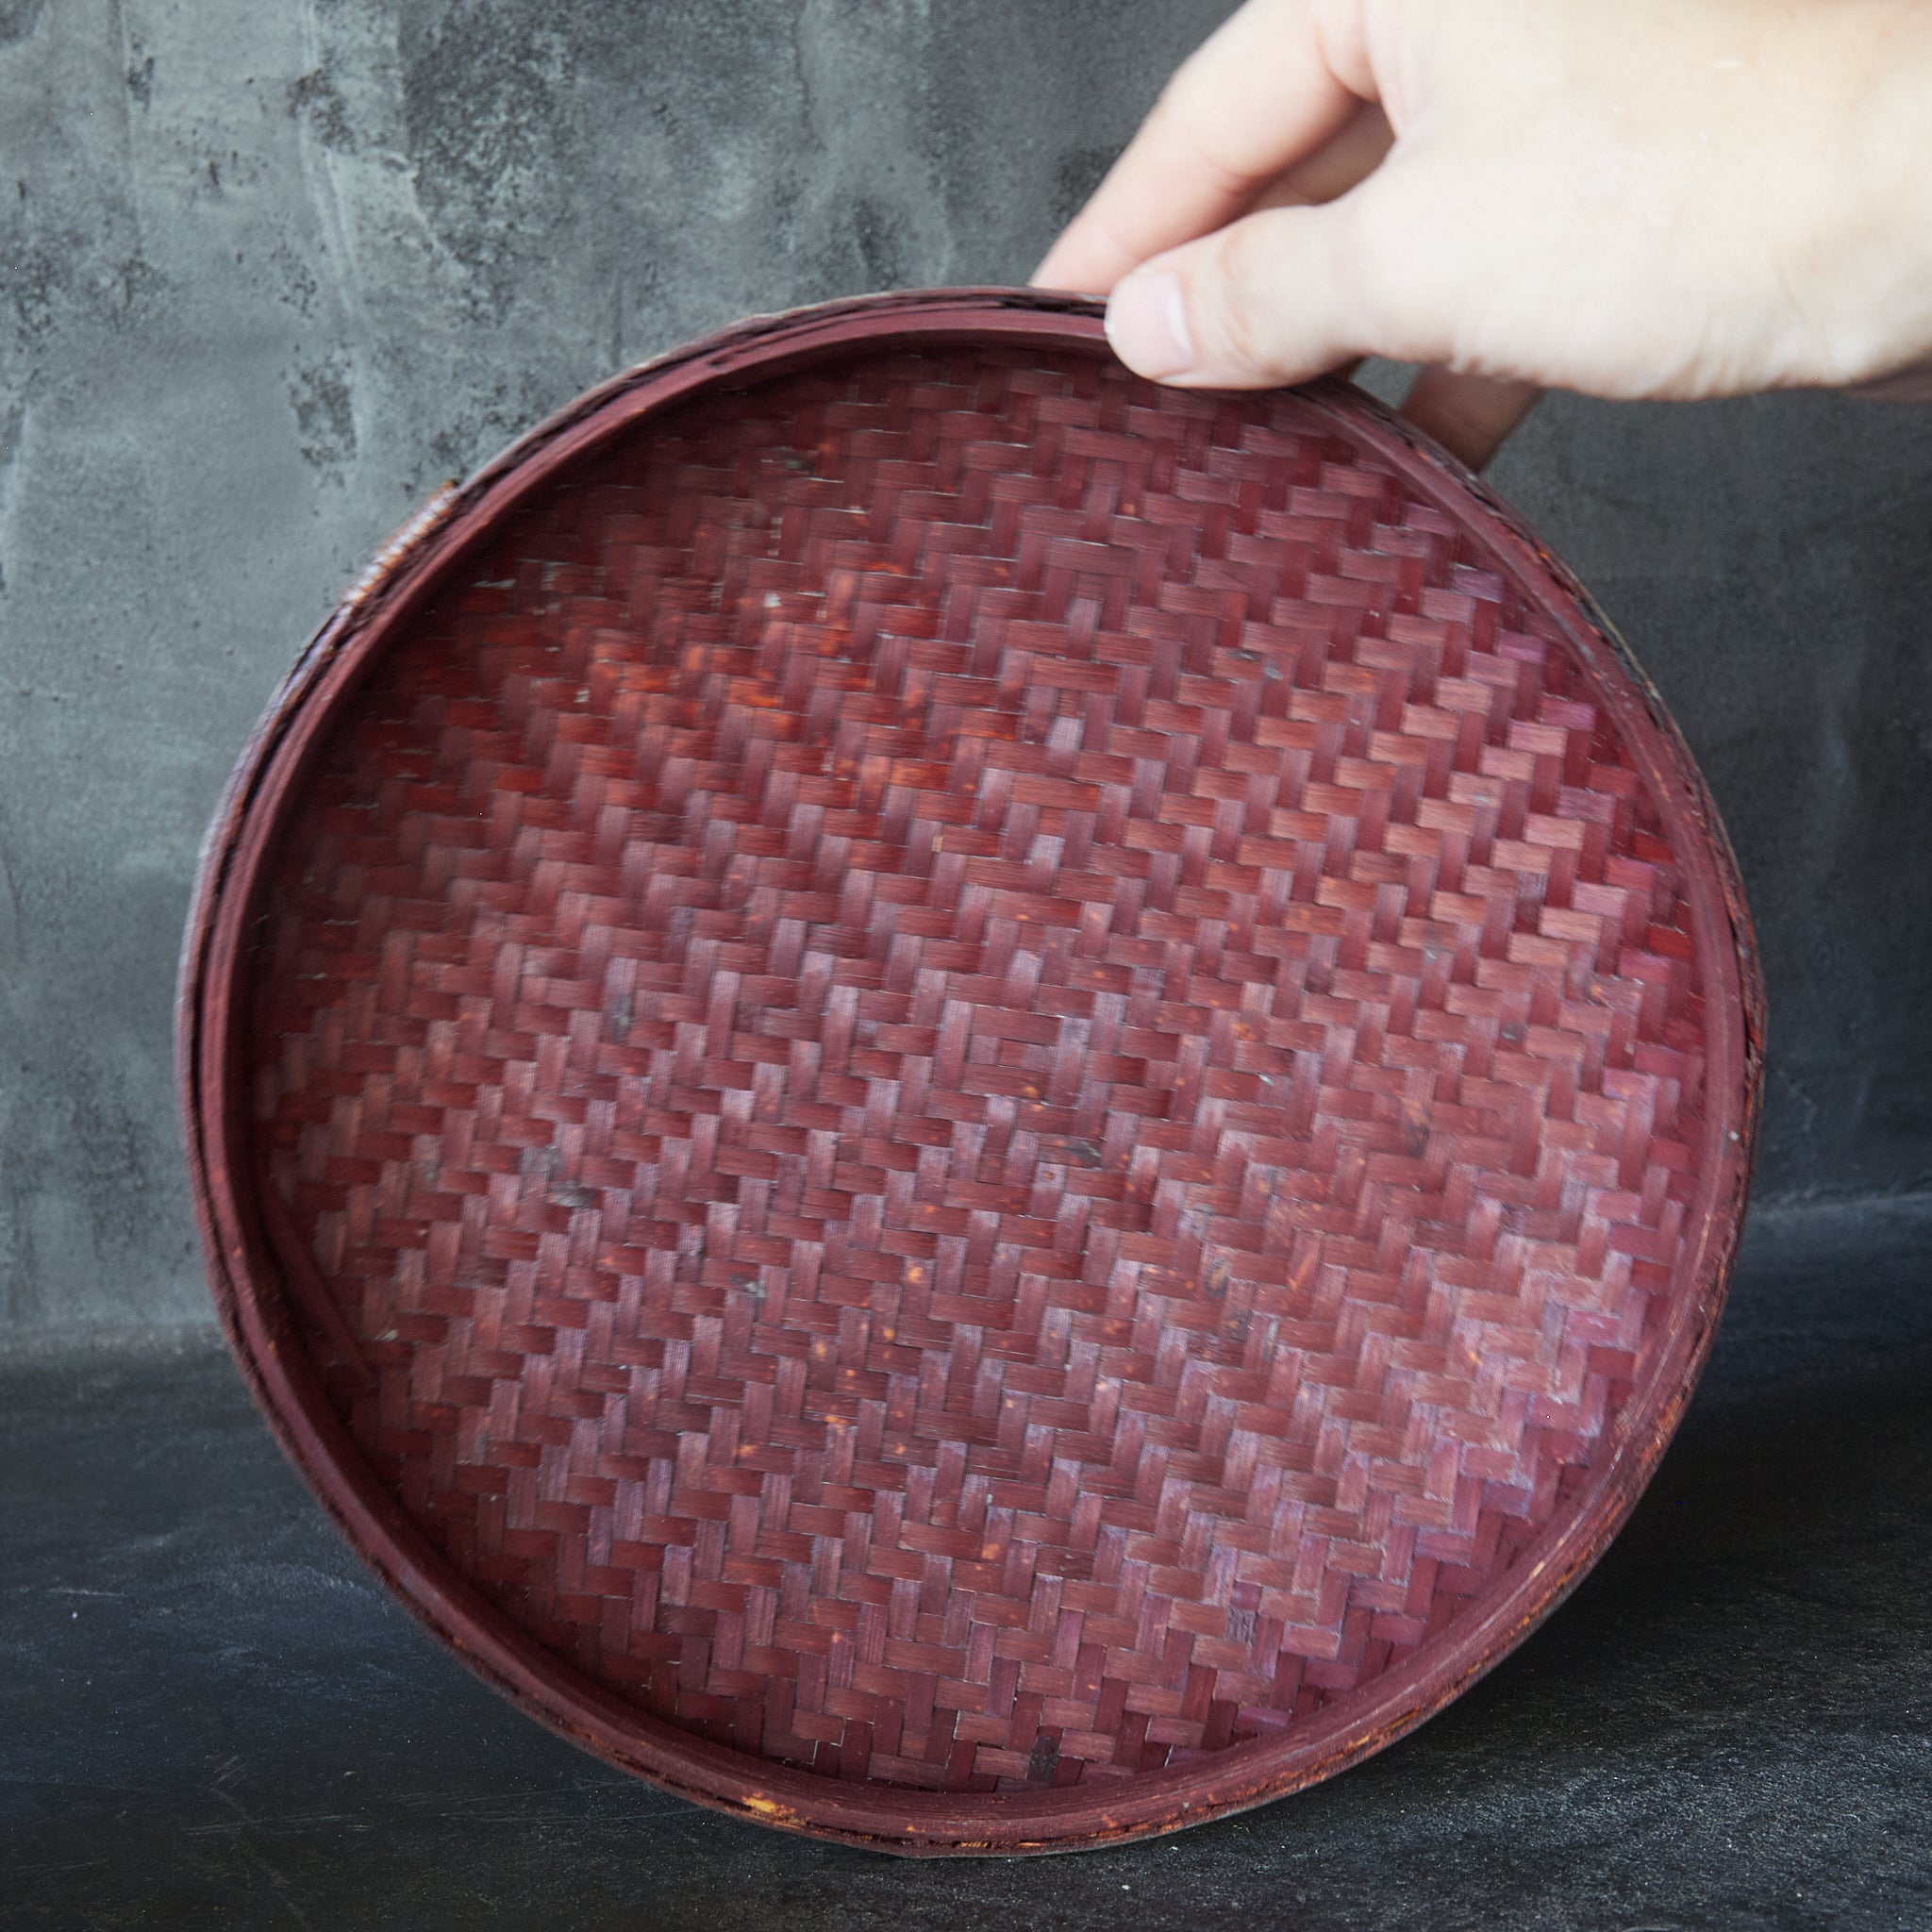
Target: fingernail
(1148, 324)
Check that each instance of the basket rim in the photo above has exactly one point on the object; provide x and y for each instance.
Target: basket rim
(243, 837)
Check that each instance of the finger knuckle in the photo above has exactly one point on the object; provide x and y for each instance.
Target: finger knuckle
(1241, 318)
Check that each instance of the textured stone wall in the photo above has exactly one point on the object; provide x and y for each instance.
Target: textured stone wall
(270, 272)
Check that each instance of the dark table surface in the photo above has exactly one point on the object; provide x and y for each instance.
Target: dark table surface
(210, 1716)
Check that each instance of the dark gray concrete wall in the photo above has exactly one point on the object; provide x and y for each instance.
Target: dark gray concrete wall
(269, 272)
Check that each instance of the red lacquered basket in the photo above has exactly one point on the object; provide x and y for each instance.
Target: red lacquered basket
(965, 1105)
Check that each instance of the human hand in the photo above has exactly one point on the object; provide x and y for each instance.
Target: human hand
(1625, 197)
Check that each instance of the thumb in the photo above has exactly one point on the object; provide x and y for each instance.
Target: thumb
(1273, 298)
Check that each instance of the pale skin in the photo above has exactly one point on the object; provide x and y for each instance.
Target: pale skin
(1629, 198)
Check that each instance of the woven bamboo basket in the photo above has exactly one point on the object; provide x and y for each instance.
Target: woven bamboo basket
(964, 1105)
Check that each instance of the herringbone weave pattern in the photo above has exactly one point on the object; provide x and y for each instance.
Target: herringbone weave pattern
(1000, 1073)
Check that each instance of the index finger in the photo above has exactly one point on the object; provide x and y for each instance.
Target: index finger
(1259, 96)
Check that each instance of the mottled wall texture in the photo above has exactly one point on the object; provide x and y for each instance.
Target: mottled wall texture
(272, 270)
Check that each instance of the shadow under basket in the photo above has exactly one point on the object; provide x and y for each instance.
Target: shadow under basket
(961, 1104)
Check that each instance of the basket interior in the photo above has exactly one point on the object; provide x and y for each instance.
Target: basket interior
(980, 1079)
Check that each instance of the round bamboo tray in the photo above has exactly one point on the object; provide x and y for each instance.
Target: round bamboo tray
(964, 1104)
